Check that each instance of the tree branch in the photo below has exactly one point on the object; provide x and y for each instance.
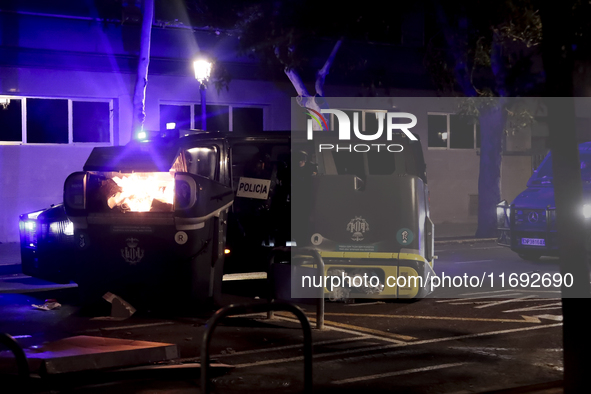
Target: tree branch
(460, 67)
(139, 95)
(323, 72)
(498, 66)
(297, 83)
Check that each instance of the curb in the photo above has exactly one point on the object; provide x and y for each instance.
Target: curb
(463, 240)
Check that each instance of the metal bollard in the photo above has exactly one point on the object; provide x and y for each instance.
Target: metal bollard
(242, 309)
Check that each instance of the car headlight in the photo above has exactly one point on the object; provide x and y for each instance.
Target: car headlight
(587, 211)
(28, 229)
(65, 227)
(503, 214)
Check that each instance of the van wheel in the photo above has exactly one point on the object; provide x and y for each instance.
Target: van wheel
(530, 256)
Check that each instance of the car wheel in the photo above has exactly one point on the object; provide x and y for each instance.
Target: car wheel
(530, 256)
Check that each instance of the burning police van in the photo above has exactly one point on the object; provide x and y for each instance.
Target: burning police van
(163, 217)
(528, 224)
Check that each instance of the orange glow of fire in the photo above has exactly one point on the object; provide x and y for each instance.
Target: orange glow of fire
(140, 189)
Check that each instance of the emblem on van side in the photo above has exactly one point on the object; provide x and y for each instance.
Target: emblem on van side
(404, 236)
(132, 254)
(357, 227)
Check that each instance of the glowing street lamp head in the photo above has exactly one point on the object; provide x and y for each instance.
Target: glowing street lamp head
(202, 70)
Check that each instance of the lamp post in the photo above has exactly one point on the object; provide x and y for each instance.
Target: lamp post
(202, 72)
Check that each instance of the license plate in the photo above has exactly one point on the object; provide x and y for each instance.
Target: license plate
(533, 241)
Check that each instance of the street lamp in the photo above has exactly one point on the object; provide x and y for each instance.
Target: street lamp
(202, 72)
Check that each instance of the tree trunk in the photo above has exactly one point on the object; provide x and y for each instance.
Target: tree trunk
(139, 94)
(559, 66)
(304, 98)
(492, 125)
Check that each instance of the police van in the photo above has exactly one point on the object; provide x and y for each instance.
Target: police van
(367, 213)
(528, 224)
(165, 217)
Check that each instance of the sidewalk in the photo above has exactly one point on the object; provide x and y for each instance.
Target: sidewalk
(10, 258)
(447, 230)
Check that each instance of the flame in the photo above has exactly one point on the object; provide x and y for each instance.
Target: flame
(140, 189)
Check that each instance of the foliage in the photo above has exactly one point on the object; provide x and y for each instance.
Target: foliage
(298, 36)
(486, 48)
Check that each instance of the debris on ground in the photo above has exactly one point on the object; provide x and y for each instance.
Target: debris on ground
(120, 309)
(48, 305)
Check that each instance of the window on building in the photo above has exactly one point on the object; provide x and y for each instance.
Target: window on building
(91, 121)
(11, 121)
(180, 115)
(451, 131)
(247, 119)
(219, 117)
(47, 121)
(56, 121)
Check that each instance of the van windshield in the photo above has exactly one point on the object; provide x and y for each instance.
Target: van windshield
(543, 174)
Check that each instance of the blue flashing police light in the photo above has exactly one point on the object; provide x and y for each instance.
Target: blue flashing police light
(171, 126)
(141, 135)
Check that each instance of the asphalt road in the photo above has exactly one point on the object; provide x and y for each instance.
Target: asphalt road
(485, 338)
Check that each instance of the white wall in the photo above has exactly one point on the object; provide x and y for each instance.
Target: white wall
(32, 178)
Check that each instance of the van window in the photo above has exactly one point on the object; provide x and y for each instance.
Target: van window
(409, 161)
(381, 163)
(544, 172)
(202, 161)
(349, 163)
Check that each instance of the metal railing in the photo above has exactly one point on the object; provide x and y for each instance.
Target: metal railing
(244, 309)
(302, 252)
(20, 358)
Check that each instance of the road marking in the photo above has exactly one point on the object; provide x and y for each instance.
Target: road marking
(495, 303)
(510, 290)
(486, 302)
(464, 249)
(503, 349)
(554, 367)
(394, 346)
(491, 352)
(378, 334)
(477, 298)
(555, 305)
(550, 317)
(397, 373)
(526, 319)
(245, 276)
(473, 261)
(129, 327)
(365, 303)
(357, 329)
(277, 348)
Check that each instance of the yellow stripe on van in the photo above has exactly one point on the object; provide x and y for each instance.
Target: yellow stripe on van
(358, 255)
